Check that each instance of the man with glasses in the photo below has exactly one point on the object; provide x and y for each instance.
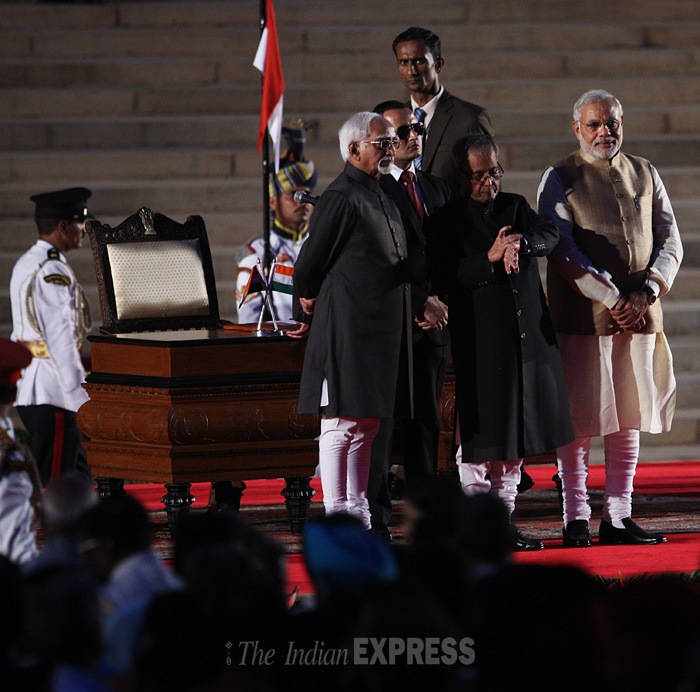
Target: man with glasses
(417, 194)
(511, 397)
(352, 286)
(446, 118)
(619, 251)
(51, 317)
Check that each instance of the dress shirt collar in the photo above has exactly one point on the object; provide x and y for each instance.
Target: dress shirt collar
(396, 171)
(429, 107)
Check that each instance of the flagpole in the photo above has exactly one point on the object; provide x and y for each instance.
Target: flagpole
(267, 259)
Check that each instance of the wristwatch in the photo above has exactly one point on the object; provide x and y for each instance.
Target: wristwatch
(651, 296)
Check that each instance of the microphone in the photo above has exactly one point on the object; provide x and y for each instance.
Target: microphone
(301, 197)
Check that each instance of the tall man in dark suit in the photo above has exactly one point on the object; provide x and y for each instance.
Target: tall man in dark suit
(417, 194)
(446, 117)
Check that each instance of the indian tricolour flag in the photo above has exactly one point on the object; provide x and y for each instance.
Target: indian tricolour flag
(268, 61)
(282, 279)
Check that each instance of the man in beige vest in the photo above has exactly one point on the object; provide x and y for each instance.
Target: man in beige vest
(619, 251)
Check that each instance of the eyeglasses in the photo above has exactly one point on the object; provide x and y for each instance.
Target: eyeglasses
(404, 131)
(492, 174)
(594, 125)
(384, 143)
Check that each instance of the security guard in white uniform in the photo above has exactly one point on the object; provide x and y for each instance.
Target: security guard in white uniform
(51, 317)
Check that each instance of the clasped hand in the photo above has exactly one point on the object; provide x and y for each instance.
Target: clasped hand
(506, 248)
(307, 306)
(629, 311)
(434, 315)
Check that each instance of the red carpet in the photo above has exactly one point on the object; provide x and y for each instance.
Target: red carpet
(667, 479)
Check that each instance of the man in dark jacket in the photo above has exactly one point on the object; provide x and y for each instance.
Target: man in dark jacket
(446, 118)
(350, 280)
(417, 194)
(511, 397)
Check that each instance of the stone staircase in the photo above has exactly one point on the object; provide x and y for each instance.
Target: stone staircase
(157, 104)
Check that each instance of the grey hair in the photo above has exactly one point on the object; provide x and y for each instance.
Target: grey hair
(479, 141)
(355, 129)
(593, 96)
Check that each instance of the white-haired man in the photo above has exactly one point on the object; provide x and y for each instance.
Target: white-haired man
(619, 250)
(352, 287)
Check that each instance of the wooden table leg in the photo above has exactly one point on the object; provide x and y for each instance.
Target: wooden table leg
(177, 503)
(297, 495)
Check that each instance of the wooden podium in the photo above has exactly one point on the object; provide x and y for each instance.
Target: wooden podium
(181, 406)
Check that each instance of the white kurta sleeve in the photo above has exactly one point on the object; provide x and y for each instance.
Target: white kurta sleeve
(577, 268)
(668, 249)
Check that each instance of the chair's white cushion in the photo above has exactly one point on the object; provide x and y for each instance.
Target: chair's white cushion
(163, 278)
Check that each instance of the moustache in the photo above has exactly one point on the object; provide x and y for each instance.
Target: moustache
(384, 165)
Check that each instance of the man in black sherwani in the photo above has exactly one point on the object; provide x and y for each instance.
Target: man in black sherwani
(511, 398)
(351, 282)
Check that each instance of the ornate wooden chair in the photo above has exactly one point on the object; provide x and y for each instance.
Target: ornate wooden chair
(154, 274)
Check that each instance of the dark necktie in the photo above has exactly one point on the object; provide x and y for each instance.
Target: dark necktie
(408, 178)
(420, 117)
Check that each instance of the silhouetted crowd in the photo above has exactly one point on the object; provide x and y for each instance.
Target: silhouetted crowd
(98, 609)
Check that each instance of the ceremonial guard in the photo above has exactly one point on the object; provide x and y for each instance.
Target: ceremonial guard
(288, 232)
(51, 317)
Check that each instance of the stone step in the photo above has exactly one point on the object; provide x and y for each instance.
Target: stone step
(686, 210)
(38, 167)
(688, 390)
(686, 286)
(682, 317)
(335, 95)
(300, 68)
(549, 10)
(178, 197)
(493, 37)
(296, 12)
(569, 38)
(686, 352)
(240, 130)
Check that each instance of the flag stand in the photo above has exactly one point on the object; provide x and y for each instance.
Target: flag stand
(276, 331)
(267, 61)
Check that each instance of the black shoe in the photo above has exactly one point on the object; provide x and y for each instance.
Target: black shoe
(521, 543)
(577, 534)
(630, 535)
(526, 482)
